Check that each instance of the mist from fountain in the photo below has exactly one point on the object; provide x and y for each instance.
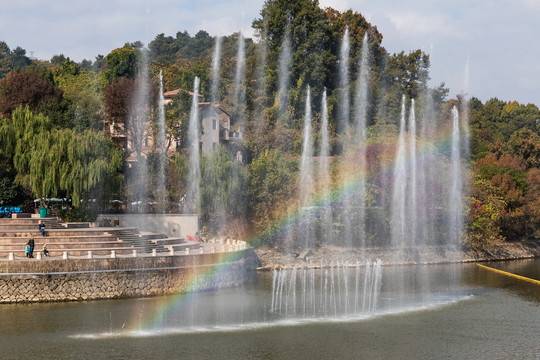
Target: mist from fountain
(240, 79)
(260, 97)
(343, 131)
(400, 180)
(211, 172)
(192, 201)
(284, 67)
(216, 66)
(344, 96)
(306, 230)
(455, 195)
(412, 208)
(324, 172)
(137, 133)
(360, 140)
(426, 213)
(362, 92)
(426, 171)
(161, 147)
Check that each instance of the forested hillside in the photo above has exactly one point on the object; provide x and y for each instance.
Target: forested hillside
(56, 118)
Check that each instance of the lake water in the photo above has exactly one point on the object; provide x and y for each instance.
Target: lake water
(422, 312)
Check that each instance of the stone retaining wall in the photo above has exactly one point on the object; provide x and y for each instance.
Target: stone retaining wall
(89, 279)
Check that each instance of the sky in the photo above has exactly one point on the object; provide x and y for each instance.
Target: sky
(482, 48)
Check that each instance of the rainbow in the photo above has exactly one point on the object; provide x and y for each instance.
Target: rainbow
(347, 186)
(178, 301)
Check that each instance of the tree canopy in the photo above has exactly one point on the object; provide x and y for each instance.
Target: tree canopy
(56, 162)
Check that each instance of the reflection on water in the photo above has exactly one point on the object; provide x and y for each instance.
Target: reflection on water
(421, 312)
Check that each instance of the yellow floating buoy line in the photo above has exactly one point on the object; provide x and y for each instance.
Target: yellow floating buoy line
(537, 282)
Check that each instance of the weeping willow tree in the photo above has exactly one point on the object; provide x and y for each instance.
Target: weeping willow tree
(58, 162)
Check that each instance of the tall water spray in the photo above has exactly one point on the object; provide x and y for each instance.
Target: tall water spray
(193, 193)
(306, 174)
(240, 79)
(425, 197)
(284, 74)
(211, 174)
(455, 195)
(214, 77)
(398, 193)
(426, 170)
(260, 97)
(137, 133)
(344, 97)
(161, 144)
(412, 211)
(240, 100)
(362, 92)
(344, 113)
(360, 119)
(324, 170)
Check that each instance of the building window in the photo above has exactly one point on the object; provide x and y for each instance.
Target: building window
(214, 124)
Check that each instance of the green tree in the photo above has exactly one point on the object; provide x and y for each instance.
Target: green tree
(121, 62)
(58, 59)
(10, 60)
(6, 63)
(163, 49)
(55, 162)
(525, 144)
(10, 192)
(81, 87)
(271, 183)
(405, 74)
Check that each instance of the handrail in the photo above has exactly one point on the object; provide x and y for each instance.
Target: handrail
(129, 252)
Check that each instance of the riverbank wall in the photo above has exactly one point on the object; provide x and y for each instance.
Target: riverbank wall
(92, 279)
(271, 258)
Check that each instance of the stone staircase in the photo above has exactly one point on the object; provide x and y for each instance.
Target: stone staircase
(133, 237)
(79, 239)
(53, 223)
